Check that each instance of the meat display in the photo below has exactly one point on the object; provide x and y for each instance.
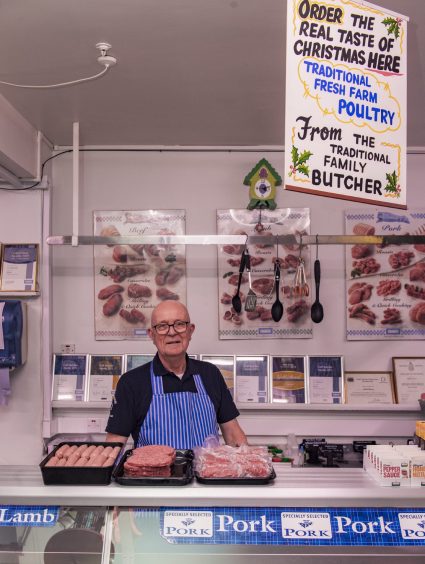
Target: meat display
(233, 249)
(417, 272)
(419, 247)
(233, 279)
(153, 461)
(255, 261)
(121, 272)
(109, 291)
(391, 316)
(417, 313)
(400, 259)
(110, 231)
(138, 291)
(361, 311)
(290, 262)
(359, 292)
(415, 291)
(112, 306)
(361, 251)
(84, 455)
(169, 275)
(363, 229)
(133, 316)
(388, 287)
(166, 294)
(365, 266)
(233, 462)
(297, 310)
(263, 286)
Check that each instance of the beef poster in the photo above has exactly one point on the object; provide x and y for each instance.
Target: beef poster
(385, 284)
(258, 324)
(130, 280)
(345, 118)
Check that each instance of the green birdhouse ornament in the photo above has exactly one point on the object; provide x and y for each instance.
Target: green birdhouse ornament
(262, 182)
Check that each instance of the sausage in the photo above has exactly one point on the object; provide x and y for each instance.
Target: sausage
(97, 460)
(109, 291)
(81, 449)
(112, 305)
(109, 461)
(89, 450)
(60, 452)
(72, 459)
(53, 461)
(107, 451)
(70, 450)
(115, 452)
(62, 462)
(96, 451)
(81, 461)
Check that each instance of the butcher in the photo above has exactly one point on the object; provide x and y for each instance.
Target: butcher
(173, 400)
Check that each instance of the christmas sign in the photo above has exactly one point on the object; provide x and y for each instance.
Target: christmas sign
(346, 101)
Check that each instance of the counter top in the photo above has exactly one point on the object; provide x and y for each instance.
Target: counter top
(293, 487)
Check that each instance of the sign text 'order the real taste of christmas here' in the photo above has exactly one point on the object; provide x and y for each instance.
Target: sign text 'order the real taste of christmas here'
(346, 101)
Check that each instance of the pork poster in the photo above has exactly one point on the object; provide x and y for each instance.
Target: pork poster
(258, 324)
(130, 280)
(385, 284)
(345, 132)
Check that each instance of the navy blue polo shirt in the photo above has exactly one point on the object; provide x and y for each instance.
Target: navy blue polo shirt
(133, 394)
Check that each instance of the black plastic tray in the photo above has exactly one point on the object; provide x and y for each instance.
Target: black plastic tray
(80, 475)
(236, 481)
(181, 472)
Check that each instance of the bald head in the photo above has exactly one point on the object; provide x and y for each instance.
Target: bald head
(169, 309)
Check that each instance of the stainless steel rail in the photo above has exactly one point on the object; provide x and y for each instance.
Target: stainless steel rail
(238, 240)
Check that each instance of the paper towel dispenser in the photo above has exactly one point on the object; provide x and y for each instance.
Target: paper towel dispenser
(13, 334)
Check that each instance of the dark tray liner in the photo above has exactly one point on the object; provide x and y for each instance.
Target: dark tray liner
(186, 478)
(236, 481)
(64, 475)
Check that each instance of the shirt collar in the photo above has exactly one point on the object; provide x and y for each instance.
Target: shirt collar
(160, 370)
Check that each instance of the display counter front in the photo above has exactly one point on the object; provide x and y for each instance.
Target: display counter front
(326, 512)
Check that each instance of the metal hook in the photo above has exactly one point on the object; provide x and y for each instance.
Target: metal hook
(317, 246)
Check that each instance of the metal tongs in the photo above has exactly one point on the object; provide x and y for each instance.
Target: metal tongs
(300, 287)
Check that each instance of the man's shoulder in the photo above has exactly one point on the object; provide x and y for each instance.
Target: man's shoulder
(204, 368)
(137, 375)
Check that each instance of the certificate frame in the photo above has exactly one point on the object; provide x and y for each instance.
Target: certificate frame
(67, 367)
(409, 378)
(325, 379)
(19, 267)
(102, 382)
(251, 388)
(134, 360)
(369, 388)
(226, 363)
(288, 379)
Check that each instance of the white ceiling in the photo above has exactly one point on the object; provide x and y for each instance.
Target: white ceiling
(189, 72)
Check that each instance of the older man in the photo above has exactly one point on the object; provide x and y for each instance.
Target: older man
(173, 400)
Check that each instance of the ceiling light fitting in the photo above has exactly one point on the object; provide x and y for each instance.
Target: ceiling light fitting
(107, 61)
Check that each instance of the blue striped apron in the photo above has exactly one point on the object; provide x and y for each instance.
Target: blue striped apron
(180, 420)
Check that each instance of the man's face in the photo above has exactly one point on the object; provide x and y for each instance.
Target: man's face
(171, 344)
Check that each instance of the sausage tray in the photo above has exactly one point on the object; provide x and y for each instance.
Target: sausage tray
(236, 481)
(77, 475)
(181, 472)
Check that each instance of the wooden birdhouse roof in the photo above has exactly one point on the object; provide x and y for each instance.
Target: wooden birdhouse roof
(263, 163)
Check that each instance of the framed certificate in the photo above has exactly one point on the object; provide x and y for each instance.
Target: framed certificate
(104, 373)
(366, 388)
(135, 360)
(287, 379)
(251, 377)
(325, 379)
(19, 265)
(409, 377)
(69, 377)
(226, 365)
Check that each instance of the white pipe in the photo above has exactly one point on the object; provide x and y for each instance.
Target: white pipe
(75, 181)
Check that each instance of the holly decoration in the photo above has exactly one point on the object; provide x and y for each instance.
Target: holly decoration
(392, 186)
(299, 162)
(393, 26)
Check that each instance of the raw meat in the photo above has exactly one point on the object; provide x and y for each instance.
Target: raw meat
(166, 294)
(263, 286)
(417, 313)
(359, 291)
(361, 311)
(121, 272)
(417, 272)
(112, 306)
(415, 291)
(400, 259)
(391, 316)
(138, 291)
(365, 266)
(363, 229)
(361, 251)
(296, 310)
(388, 287)
(133, 316)
(109, 291)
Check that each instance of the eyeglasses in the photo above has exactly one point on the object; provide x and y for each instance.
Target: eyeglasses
(164, 328)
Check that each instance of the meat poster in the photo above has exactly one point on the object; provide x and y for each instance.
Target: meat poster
(345, 115)
(385, 284)
(258, 324)
(130, 280)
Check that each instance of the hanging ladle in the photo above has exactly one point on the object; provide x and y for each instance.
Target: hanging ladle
(236, 300)
(277, 307)
(316, 307)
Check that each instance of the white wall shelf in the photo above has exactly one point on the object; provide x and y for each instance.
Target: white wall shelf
(4, 294)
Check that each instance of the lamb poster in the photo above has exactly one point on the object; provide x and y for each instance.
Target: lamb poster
(130, 280)
(385, 283)
(346, 81)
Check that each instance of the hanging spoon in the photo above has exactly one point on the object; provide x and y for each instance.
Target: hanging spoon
(316, 307)
(236, 300)
(277, 307)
